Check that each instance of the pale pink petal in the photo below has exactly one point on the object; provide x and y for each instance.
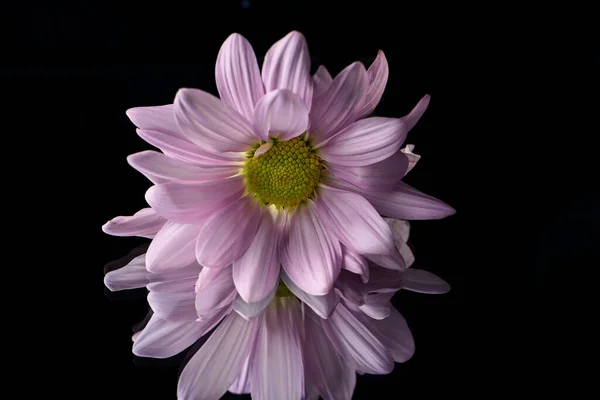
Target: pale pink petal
(238, 78)
(322, 80)
(173, 285)
(225, 236)
(355, 263)
(209, 123)
(323, 305)
(242, 383)
(256, 272)
(384, 280)
(378, 74)
(393, 332)
(365, 142)
(356, 343)
(400, 229)
(412, 157)
(174, 306)
(406, 202)
(351, 288)
(251, 310)
(418, 280)
(277, 370)
(416, 113)
(182, 149)
(207, 276)
(218, 295)
(163, 339)
(281, 114)
(173, 247)
(378, 305)
(310, 256)
(287, 66)
(337, 106)
(407, 255)
(212, 370)
(132, 276)
(193, 203)
(160, 168)
(332, 376)
(145, 223)
(156, 118)
(381, 176)
(354, 221)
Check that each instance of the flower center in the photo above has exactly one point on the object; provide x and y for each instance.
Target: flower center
(286, 174)
(282, 290)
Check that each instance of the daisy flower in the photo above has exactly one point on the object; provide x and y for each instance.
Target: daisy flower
(283, 170)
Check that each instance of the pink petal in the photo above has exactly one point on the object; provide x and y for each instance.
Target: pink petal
(256, 272)
(216, 297)
(412, 157)
(145, 223)
(395, 335)
(407, 255)
(225, 236)
(351, 288)
(182, 149)
(174, 306)
(277, 370)
(310, 256)
(378, 75)
(174, 285)
(172, 248)
(132, 276)
(157, 118)
(237, 75)
(406, 202)
(207, 276)
(193, 203)
(354, 221)
(418, 280)
(322, 80)
(242, 383)
(212, 370)
(280, 113)
(287, 66)
(393, 261)
(163, 339)
(207, 122)
(381, 176)
(416, 113)
(355, 263)
(356, 343)
(323, 305)
(365, 142)
(160, 168)
(378, 305)
(251, 310)
(333, 377)
(337, 106)
(384, 280)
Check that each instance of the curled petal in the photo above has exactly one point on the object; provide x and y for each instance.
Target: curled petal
(378, 74)
(281, 114)
(145, 223)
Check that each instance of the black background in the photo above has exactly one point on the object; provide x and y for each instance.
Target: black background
(507, 141)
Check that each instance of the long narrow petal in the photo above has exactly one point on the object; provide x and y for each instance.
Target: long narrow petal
(337, 106)
(323, 305)
(416, 113)
(174, 306)
(193, 203)
(277, 370)
(355, 263)
(242, 384)
(155, 118)
(163, 339)
(183, 149)
(173, 285)
(281, 114)
(381, 176)
(212, 370)
(384, 280)
(322, 79)
(378, 74)
(238, 78)
(333, 376)
(287, 66)
(395, 335)
(172, 248)
(251, 310)
(406, 202)
(310, 256)
(218, 295)
(207, 122)
(418, 280)
(354, 221)
(145, 223)
(412, 157)
(160, 168)
(365, 142)
(256, 272)
(225, 236)
(356, 343)
(132, 276)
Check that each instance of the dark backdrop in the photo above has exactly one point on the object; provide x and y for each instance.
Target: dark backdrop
(506, 141)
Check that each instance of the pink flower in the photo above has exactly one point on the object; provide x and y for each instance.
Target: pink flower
(282, 170)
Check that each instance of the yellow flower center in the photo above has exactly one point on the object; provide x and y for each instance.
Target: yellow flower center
(286, 174)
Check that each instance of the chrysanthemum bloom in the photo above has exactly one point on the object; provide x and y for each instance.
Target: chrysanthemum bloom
(291, 345)
(283, 170)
